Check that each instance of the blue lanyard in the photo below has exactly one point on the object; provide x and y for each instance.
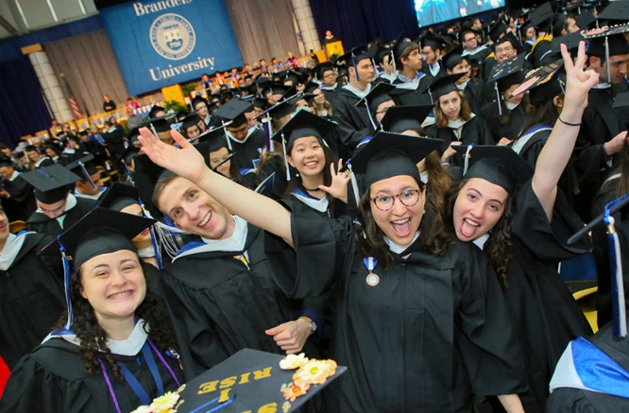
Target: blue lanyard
(135, 384)
(370, 263)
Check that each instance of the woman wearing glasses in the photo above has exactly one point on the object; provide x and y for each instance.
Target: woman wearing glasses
(419, 318)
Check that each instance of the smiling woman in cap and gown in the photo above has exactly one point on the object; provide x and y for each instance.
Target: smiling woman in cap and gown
(521, 220)
(114, 348)
(419, 318)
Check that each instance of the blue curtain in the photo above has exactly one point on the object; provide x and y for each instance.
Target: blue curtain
(23, 109)
(357, 22)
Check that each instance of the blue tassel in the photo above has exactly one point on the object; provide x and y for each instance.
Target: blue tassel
(66, 283)
(618, 289)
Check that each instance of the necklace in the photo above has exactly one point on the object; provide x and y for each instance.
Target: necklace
(312, 190)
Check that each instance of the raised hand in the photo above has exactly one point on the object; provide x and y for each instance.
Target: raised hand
(578, 84)
(338, 187)
(186, 162)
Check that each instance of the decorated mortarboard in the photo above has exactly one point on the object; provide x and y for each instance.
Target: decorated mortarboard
(443, 85)
(85, 168)
(235, 110)
(571, 41)
(508, 67)
(546, 76)
(402, 118)
(500, 165)
(542, 16)
(586, 19)
(616, 10)
(101, 231)
(119, 196)
(258, 384)
(155, 110)
(391, 154)
(51, 183)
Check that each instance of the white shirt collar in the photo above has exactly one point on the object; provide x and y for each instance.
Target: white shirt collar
(70, 203)
(235, 243)
(434, 69)
(231, 137)
(320, 205)
(463, 85)
(511, 106)
(480, 241)
(359, 93)
(14, 176)
(11, 249)
(397, 248)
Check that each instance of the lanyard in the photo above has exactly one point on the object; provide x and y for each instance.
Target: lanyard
(135, 384)
(372, 278)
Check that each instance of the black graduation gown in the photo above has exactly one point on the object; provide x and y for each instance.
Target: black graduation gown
(600, 124)
(601, 250)
(433, 329)
(511, 130)
(52, 379)
(249, 150)
(274, 165)
(474, 131)
(21, 202)
(31, 299)
(571, 400)
(220, 306)
(477, 96)
(412, 97)
(40, 222)
(353, 122)
(331, 93)
(546, 315)
(542, 54)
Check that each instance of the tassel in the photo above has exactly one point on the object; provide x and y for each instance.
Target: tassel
(618, 289)
(371, 119)
(466, 161)
(355, 69)
(66, 284)
(285, 159)
(352, 178)
(156, 249)
(87, 175)
(498, 100)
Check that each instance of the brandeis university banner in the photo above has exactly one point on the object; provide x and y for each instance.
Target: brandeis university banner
(160, 43)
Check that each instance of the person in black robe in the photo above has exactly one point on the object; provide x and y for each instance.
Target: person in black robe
(37, 160)
(602, 133)
(57, 208)
(353, 121)
(237, 305)
(31, 297)
(17, 195)
(246, 142)
(477, 94)
(605, 388)
(104, 356)
(425, 315)
(454, 121)
(328, 78)
(521, 220)
(411, 83)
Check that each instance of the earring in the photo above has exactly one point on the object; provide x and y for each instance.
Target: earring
(424, 211)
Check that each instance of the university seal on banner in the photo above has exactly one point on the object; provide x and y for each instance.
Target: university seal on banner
(172, 36)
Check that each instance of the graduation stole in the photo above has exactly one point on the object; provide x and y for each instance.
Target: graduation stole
(545, 37)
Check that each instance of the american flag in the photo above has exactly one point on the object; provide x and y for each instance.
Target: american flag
(73, 103)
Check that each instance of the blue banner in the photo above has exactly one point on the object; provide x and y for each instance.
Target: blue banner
(161, 43)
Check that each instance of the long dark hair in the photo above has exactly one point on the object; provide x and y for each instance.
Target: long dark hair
(296, 181)
(505, 119)
(370, 238)
(94, 338)
(499, 245)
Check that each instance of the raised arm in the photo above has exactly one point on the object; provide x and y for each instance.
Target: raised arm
(557, 151)
(188, 163)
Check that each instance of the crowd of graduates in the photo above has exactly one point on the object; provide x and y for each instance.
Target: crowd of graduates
(402, 209)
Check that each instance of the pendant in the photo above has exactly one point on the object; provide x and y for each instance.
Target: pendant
(372, 279)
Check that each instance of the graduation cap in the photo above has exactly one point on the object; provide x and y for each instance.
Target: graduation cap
(585, 20)
(510, 37)
(51, 183)
(84, 167)
(249, 395)
(303, 124)
(377, 95)
(296, 78)
(160, 124)
(5, 161)
(542, 16)
(435, 41)
(496, 30)
(119, 196)
(390, 154)
(507, 74)
(454, 57)
(615, 11)
(311, 87)
(398, 48)
(281, 108)
(608, 41)
(353, 57)
(235, 110)
(278, 88)
(402, 118)
(192, 119)
(101, 231)
(156, 109)
(547, 76)
(499, 165)
(443, 85)
(131, 151)
(259, 102)
(571, 41)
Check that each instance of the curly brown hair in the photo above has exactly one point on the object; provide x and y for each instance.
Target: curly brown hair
(370, 238)
(94, 338)
(499, 245)
(441, 120)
